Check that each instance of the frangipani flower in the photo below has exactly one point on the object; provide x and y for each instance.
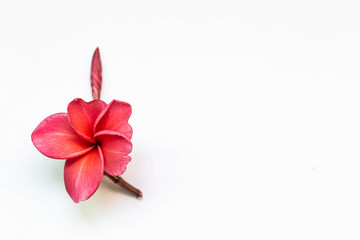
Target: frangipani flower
(93, 137)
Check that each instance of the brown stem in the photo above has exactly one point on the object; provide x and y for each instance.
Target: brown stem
(121, 182)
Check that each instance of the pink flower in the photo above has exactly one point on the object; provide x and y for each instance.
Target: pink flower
(93, 137)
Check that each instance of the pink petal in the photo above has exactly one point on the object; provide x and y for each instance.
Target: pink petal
(55, 138)
(83, 175)
(96, 74)
(115, 118)
(115, 148)
(82, 116)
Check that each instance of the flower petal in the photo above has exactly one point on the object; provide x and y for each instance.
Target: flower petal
(55, 138)
(115, 118)
(115, 148)
(96, 74)
(83, 175)
(82, 116)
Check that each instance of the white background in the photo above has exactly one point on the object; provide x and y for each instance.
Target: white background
(246, 117)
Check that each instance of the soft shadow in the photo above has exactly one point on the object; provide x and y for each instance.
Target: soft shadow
(46, 171)
(108, 198)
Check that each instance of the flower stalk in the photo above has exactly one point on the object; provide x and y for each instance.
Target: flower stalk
(122, 183)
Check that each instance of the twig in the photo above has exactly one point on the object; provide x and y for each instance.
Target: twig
(122, 183)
